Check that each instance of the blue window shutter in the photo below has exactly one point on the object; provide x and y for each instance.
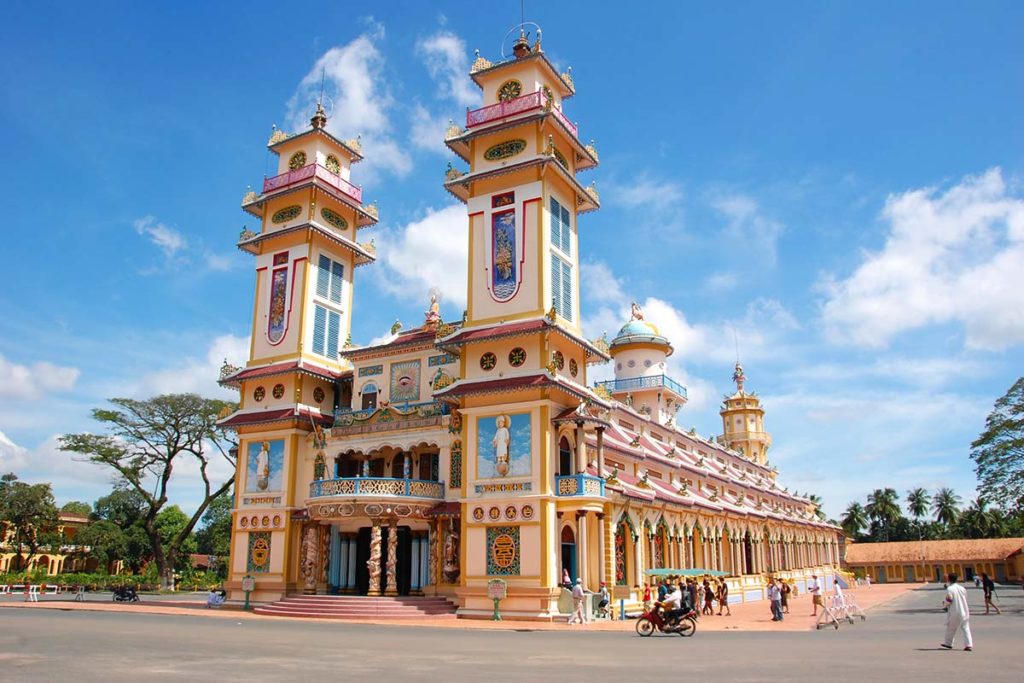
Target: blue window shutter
(333, 328)
(567, 283)
(556, 233)
(322, 276)
(319, 329)
(556, 283)
(566, 232)
(337, 270)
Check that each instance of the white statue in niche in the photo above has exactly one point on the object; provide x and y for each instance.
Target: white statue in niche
(263, 467)
(501, 441)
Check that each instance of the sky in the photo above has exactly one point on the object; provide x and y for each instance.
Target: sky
(832, 190)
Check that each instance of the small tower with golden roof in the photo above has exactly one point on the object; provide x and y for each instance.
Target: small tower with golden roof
(743, 421)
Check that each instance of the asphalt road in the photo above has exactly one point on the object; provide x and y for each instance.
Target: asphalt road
(899, 641)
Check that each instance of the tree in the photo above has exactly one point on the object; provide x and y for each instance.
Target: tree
(884, 510)
(815, 500)
(998, 453)
(917, 502)
(107, 542)
(946, 506)
(214, 538)
(30, 513)
(147, 440)
(981, 521)
(122, 506)
(77, 507)
(854, 519)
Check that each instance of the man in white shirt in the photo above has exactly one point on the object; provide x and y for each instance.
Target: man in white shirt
(814, 588)
(579, 599)
(958, 615)
(672, 603)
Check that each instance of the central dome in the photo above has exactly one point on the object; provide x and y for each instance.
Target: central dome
(639, 328)
(640, 332)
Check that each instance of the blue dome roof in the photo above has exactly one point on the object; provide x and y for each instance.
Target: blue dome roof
(640, 331)
(638, 327)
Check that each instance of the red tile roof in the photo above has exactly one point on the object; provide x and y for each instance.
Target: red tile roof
(262, 416)
(420, 335)
(302, 366)
(955, 550)
(517, 329)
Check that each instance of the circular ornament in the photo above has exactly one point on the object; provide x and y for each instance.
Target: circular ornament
(504, 150)
(260, 552)
(373, 510)
(286, 214)
(266, 520)
(488, 361)
(647, 363)
(346, 510)
(574, 367)
(298, 160)
(278, 390)
(516, 357)
(332, 164)
(319, 395)
(277, 520)
(478, 514)
(527, 512)
(254, 521)
(243, 522)
(494, 513)
(510, 90)
(334, 218)
(511, 512)
(631, 363)
(503, 551)
(559, 360)
(259, 394)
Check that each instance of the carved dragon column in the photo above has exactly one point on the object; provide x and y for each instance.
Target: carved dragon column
(373, 564)
(391, 586)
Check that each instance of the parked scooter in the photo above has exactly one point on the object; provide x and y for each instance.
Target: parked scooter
(655, 619)
(125, 594)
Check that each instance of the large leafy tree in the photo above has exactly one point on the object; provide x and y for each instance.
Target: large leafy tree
(30, 513)
(998, 453)
(106, 541)
(817, 503)
(77, 507)
(946, 506)
(854, 519)
(214, 537)
(147, 440)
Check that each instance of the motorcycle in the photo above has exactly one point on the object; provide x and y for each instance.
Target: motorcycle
(655, 619)
(125, 594)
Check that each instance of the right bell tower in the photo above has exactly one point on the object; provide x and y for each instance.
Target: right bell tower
(743, 421)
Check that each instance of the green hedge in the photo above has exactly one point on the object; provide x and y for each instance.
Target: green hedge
(104, 582)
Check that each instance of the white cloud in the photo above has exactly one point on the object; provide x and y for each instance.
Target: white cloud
(36, 380)
(949, 257)
(427, 131)
(70, 476)
(644, 191)
(220, 262)
(447, 61)
(199, 375)
(722, 281)
(747, 227)
(427, 253)
(354, 78)
(170, 241)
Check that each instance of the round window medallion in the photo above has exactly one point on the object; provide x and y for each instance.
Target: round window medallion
(259, 394)
(478, 514)
(511, 512)
(243, 522)
(298, 160)
(558, 359)
(504, 150)
(631, 363)
(647, 363)
(574, 367)
(286, 214)
(318, 395)
(527, 512)
(488, 361)
(332, 164)
(334, 218)
(510, 90)
(494, 513)
(278, 390)
(516, 357)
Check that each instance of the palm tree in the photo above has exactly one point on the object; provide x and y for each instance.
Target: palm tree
(946, 506)
(815, 500)
(978, 521)
(883, 507)
(854, 519)
(917, 502)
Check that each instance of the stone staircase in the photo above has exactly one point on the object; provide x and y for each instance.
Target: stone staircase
(359, 607)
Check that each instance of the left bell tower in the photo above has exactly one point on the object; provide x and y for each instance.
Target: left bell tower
(306, 252)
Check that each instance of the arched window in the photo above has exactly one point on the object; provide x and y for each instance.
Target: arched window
(369, 394)
(565, 467)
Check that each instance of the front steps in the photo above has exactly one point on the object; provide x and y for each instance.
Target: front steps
(358, 607)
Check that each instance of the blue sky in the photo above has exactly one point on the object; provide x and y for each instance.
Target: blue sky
(837, 183)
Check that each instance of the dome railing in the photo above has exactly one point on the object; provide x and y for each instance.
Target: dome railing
(644, 382)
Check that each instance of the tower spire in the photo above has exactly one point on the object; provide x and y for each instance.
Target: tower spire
(319, 119)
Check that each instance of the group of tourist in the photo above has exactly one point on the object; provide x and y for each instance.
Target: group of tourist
(697, 595)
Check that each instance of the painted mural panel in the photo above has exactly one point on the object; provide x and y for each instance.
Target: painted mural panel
(278, 300)
(503, 446)
(503, 551)
(259, 552)
(405, 381)
(265, 465)
(503, 255)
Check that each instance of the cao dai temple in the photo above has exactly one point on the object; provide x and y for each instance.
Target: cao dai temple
(458, 452)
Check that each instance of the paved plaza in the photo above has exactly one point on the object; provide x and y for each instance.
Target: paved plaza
(899, 640)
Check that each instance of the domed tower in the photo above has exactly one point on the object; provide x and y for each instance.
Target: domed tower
(743, 422)
(639, 352)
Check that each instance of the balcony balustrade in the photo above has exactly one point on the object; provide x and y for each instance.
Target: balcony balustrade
(313, 171)
(645, 382)
(579, 485)
(377, 487)
(390, 417)
(515, 107)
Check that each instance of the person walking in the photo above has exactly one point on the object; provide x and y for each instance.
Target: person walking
(579, 600)
(647, 597)
(691, 589)
(700, 596)
(775, 597)
(785, 589)
(723, 599)
(709, 598)
(958, 615)
(814, 588)
(989, 587)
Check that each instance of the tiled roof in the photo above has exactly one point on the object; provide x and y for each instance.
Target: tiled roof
(414, 337)
(934, 551)
(282, 369)
(518, 329)
(263, 416)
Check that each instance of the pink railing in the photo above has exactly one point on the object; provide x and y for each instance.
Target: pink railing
(519, 105)
(309, 171)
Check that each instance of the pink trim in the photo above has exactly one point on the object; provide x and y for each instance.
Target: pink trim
(291, 302)
(514, 107)
(313, 171)
(522, 254)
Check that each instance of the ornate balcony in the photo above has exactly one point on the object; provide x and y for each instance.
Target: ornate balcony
(520, 105)
(579, 485)
(376, 487)
(317, 171)
(389, 418)
(647, 382)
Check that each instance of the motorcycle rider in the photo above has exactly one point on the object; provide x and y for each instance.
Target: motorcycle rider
(672, 604)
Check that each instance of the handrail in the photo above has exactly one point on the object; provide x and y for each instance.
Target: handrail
(377, 486)
(643, 382)
(513, 107)
(579, 485)
(309, 171)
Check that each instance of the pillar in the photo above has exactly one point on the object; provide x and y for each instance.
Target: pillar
(638, 554)
(600, 451)
(414, 583)
(391, 579)
(581, 548)
(581, 452)
(424, 560)
(602, 549)
(334, 566)
(373, 564)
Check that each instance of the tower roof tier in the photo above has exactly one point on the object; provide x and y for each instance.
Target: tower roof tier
(464, 336)
(459, 184)
(351, 148)
(364, 253)
(408, 340)
(522, 383)
(300, 366)
(312, 175)
(482, 71)
(296, 414)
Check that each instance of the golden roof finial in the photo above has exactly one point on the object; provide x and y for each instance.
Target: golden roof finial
(479, 64)
(319, 119)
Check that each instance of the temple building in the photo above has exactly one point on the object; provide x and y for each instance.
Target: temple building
(457, 452)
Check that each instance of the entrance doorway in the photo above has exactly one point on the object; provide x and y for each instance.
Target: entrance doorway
(569, 553)
(403, 560)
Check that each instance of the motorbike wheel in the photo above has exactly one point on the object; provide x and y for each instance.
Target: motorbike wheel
(644, 627)
(687, 627)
